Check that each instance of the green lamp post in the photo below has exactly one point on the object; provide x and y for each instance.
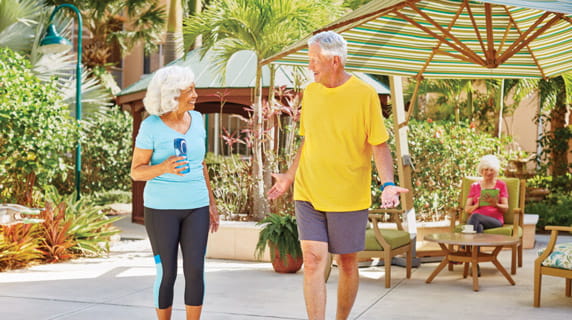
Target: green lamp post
(53, 43)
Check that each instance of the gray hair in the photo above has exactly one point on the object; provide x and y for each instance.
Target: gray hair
(165, 87)
(332, 44)
(489, 161)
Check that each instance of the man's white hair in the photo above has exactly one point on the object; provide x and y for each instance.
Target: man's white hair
(165, 87)
(489, 161)
(331, 43)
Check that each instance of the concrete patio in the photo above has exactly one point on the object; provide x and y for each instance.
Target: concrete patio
(120, 287)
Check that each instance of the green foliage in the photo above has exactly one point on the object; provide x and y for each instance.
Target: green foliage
(56, 240)
(231, 183)
(279, 232)
(18, 245)
(90, 228)
(442, 154)
(106, 154)
(109, 197)
(554, 210)
(37, 132)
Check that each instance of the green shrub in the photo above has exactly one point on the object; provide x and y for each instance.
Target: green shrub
(442, 154)
(106, 142)
(37, 133)
(554, 210)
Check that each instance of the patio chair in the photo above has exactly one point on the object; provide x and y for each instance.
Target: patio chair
(513, 218)
(555, 260)
(385, 243)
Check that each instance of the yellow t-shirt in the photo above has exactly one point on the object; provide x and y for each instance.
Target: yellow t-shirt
(339, 125)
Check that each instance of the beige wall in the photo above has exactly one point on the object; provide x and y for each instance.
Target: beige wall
(521, 124)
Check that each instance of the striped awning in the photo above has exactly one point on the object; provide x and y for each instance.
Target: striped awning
(453, 39)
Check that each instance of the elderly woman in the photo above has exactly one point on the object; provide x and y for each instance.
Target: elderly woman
(179, 204)
(487, 210)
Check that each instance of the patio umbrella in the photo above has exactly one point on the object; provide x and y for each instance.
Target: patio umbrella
(441, 38)
(449, 39)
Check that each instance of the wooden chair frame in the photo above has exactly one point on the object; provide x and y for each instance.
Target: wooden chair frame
(540, 270)
(387, 253)
(518, 220)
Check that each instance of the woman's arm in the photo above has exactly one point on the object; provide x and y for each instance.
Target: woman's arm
(141, 170)
(215, 219)
(469, 207)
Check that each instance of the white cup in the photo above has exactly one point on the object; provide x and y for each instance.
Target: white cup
(468, 228)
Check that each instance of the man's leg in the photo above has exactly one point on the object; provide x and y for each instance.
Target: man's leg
(348, 284)
(315, 255)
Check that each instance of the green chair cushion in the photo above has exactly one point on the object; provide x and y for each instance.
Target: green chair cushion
(504, 230)
(560, 258)
(395, 238)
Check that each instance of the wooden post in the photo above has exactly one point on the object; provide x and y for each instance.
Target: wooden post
(401, 143)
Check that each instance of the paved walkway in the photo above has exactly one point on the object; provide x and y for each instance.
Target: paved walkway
(119, 287)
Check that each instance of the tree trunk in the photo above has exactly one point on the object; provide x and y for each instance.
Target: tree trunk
(259, 202)
(174, 37)
(560, 135)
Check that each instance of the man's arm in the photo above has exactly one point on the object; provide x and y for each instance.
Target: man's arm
(284, 180)
(384, 164)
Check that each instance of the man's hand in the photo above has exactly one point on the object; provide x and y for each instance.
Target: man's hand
(283, 182)
(390, 196)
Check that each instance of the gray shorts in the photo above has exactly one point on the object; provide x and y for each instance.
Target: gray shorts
(343, 231)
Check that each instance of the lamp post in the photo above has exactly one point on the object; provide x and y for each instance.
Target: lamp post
(53, 43)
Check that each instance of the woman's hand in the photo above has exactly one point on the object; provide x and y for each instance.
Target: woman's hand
(214, 217)
(170, 165)
(492, 200)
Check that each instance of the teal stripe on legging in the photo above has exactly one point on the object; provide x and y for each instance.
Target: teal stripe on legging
(158, 279)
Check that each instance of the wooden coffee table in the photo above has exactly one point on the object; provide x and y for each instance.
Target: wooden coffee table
(470, 252)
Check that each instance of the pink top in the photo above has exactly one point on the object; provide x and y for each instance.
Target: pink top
(490, 211)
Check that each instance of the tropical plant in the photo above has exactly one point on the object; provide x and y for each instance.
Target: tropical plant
(264, 27)
(19, 245)
(56, 240)
(231, 183)
(89, 227)
(279, 232)
(23, 25)
(37, 132)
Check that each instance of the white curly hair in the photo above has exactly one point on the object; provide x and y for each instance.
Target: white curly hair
(489, 161)
(331, 43)
(165, 87)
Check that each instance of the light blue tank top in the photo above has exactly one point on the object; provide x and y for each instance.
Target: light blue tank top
(170, 191)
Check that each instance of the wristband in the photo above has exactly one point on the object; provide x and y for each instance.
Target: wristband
(386, 184)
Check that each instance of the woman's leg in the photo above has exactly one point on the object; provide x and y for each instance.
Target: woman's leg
(163, 230)
(194, 236)
(482, 222)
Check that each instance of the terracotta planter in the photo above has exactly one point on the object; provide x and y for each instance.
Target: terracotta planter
(291, 266)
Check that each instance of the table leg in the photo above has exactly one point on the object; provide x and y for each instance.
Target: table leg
(474, 262)
(442, 265)
(500, 267)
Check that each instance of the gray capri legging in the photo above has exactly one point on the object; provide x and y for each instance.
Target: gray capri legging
(482, 222)
(167, 229)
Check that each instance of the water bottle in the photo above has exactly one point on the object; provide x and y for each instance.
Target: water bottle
(181, 151)
(14, 213)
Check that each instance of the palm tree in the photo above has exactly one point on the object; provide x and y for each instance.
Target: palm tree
(555, 97)
(264, 27)
(105, 21)
(174, 37)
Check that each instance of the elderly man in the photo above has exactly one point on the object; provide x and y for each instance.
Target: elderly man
(342, 127)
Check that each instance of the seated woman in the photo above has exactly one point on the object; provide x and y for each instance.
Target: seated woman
(490, 215)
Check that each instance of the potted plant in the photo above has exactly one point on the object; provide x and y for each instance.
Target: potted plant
(280, 233)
